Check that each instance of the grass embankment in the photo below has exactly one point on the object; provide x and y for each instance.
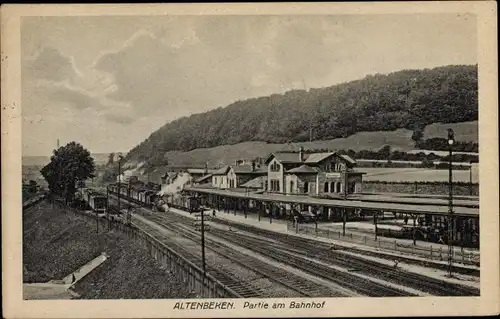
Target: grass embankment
(57, 243)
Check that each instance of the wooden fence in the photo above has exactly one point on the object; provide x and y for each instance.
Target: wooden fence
(434, 253)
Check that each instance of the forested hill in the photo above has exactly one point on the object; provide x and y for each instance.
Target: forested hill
(408, 99)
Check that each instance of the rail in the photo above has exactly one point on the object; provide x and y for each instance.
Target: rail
(433, 253)
(189, 273)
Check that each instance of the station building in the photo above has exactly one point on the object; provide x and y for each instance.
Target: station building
(312, 173)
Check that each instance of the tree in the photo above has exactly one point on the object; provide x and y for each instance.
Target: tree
(384, 153)
(111, 159)
(417, 135)
(68, 165)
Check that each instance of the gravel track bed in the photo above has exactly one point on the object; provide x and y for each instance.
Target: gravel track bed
(220, 266)
(323, 252)
(298, 286)
(360, 285)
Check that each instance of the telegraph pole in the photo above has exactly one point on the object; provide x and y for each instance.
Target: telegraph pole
(107, 207)
(129, 212)
(119, 180)
(451, 141)
(195, 201)
(203, 242)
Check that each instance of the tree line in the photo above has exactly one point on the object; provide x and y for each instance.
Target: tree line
(441, 144)
(408, 99)
(386, 153)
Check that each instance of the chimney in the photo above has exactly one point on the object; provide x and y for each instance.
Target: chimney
(301, 154)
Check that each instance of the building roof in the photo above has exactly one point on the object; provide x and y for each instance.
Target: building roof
(170, 175)
(309, 158)
(347, 158)
(304, 169)
(247, 169)
(203, 178)
(286, 157)
(199, 170)
(257, 182)
(221, 171)
(317, 157)
(350, 203)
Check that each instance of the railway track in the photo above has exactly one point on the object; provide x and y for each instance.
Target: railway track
(361, 285)
(303, 287)
(243, 289)
(354, 283)
(321, 251)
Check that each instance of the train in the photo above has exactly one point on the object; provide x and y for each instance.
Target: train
(150, 198)
(92, 199)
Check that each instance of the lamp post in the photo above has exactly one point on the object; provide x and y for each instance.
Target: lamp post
(451, 141)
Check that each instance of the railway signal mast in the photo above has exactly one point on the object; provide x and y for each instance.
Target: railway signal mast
(451, 141)
(200, 226)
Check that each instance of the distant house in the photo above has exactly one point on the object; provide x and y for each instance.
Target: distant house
(168, 178)
(234, 176)
(312, 174)
(219, 177)
(205, 180)
(195, 173)
(240, 174)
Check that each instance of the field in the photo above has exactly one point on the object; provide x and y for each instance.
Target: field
(417, 175)
(57, 242)
(464, 132)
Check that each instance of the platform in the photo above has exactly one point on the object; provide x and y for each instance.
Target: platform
(411, 208)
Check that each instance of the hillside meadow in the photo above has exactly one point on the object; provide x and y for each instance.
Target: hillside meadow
(418, 175)
(399, 139)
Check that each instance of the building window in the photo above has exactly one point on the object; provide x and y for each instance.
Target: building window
(352, 188)
(275, 185)
(326, 187)
(291, 187)
(275, 167)
(338, 188)
(332, 187)
(306, 187)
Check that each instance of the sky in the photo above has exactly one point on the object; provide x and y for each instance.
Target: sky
(109, 82)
